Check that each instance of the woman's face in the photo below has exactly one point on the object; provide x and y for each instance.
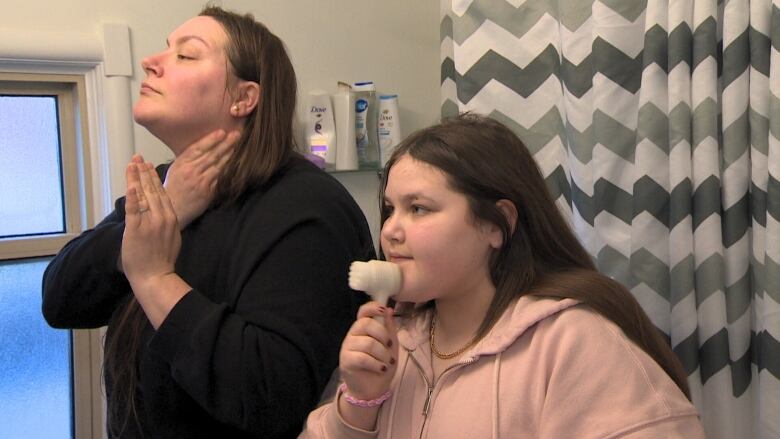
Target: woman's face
(184, 95)
(431, 234)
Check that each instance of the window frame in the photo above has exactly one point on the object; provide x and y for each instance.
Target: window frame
(75, 166)
(77, 201)
(102, 59)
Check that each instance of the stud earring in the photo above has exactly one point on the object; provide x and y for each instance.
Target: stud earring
(235, 108)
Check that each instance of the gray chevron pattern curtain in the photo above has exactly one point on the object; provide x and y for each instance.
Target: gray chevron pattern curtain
(657, 126)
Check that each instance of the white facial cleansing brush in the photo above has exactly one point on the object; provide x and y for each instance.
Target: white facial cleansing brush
(379, 279)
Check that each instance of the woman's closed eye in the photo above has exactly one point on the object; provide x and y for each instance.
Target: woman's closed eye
(184, 57)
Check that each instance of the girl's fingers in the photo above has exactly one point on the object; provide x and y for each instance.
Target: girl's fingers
(354, 360)
(371, 309)
(392, 330)
(371, 336)
(371, 327)
(369, 346)
(390, 324)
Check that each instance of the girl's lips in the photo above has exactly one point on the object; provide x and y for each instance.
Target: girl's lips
(397, 259)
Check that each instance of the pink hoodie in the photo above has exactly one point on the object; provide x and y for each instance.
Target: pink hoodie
(547, 369)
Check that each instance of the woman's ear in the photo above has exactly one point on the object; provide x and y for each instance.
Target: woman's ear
(509, 211)
(248, 97)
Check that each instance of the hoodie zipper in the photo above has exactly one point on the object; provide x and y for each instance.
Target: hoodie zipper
(431, 386)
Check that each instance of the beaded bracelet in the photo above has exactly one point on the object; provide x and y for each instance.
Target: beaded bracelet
(362, 402)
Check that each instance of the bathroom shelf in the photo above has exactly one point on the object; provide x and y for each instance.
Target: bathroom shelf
(378, 171)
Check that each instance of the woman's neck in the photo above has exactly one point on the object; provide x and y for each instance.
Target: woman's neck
(178, 141)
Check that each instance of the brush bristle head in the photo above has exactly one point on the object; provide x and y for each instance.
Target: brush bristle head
(380, 279)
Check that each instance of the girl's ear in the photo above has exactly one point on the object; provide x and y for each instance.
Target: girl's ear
(247, 100)
(496, 236)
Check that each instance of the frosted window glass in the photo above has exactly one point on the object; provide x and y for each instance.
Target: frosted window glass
(35, 371)
(30, 181)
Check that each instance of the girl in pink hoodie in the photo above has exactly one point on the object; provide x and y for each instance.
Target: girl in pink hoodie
(504, 328)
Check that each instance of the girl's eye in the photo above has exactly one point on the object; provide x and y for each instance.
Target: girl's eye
(388, 209)
(419, 210)
(184, 57)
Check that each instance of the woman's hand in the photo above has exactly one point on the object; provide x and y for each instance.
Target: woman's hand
(151, 242)
(368, 361)
(192, 177)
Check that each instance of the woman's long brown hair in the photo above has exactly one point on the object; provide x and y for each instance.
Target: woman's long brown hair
(541, 255)
(266, 144)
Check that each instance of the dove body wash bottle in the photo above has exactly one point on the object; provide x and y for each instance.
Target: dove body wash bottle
(388, 127)
(320, 128)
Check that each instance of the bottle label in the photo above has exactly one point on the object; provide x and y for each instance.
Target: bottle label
(361, 105)
(318, 146)
(361, 130)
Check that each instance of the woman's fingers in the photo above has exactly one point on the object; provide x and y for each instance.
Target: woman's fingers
(165, 200)
(205, 144)
(222, 154)
(133, 180)
(212, 149)
(132, 209)
(225, 148)
(150, 189)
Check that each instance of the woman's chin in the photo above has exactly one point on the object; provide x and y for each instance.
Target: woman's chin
(142, 116)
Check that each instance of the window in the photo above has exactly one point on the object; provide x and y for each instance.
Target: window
(50, 385)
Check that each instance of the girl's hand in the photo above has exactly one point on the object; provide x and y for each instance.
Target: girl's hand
(369, 354)
(192, 177)
(152, 239)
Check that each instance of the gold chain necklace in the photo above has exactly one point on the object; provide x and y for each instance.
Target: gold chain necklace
(436, 352)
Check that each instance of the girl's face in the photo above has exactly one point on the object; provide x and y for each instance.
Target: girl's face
(184, 95)
(431, 234)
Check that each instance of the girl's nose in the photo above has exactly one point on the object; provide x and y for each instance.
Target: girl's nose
(392, 231)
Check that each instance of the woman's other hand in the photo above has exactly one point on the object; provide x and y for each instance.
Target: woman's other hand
(192, 178)
(151, 242)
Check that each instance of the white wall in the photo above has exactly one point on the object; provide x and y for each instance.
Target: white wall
(394, 43)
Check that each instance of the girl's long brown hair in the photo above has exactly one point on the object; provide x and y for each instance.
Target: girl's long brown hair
(541, 256)
(266, 144)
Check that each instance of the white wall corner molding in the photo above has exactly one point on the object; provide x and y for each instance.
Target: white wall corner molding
(105, 62)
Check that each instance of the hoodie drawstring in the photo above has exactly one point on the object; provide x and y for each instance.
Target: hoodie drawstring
(496, 373)
(394, 401)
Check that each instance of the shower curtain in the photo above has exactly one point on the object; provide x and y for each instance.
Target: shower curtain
(657, 127)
